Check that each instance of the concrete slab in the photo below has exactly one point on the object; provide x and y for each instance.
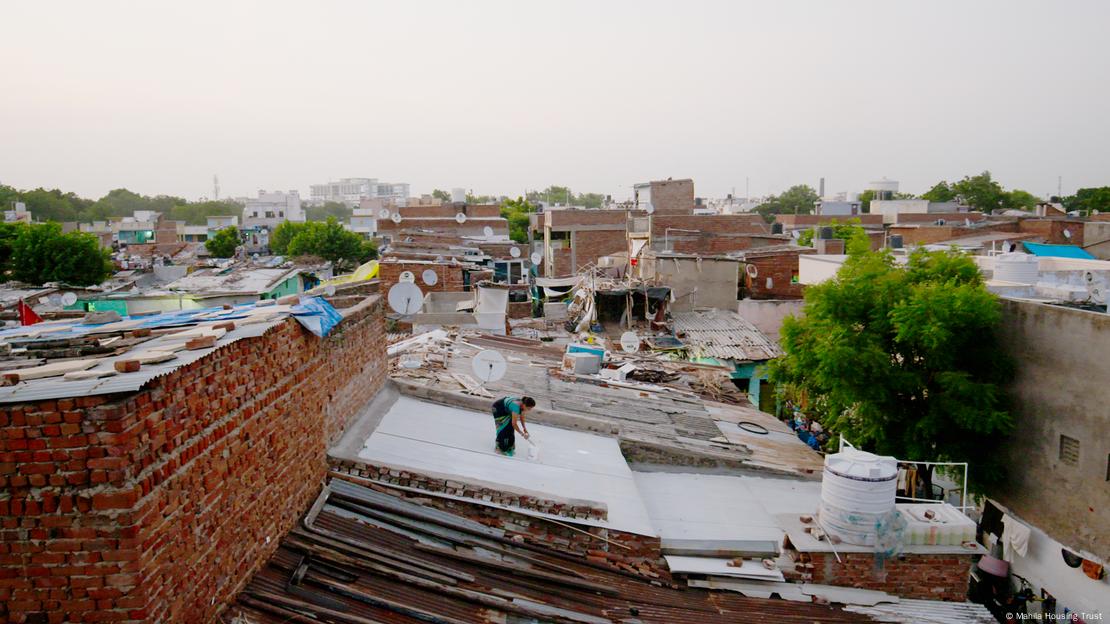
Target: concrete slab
(453, 443)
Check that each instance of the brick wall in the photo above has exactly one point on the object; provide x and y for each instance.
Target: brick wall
(908, 218)
(1052, 230)
(673, 196)
(710, 224)
(804, 221)
(589, 245)
(449, 276)
(448, 211)
(781, 266)
(157, 506)
(928, 577)
(472, 227)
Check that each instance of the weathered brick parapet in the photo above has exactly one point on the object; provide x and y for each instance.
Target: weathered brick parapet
(156, 506)
(926, 576)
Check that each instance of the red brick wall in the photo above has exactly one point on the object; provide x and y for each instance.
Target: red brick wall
(673, 196)
(450, 276)
(448, 211)
(932, 217)
(157, 506)
(928, 577)
(781, 267)
(710, 224)
(473, 227)
(1053, 230)
(802, 221)
(564, 218)
(589, 245)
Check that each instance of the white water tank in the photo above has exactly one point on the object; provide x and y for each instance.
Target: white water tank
(1016, 267)
(857, 488)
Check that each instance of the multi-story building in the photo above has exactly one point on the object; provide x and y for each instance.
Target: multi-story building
(270, 209)
(351, 191)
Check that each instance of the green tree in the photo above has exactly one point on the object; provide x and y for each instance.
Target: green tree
(41, 253)
(1087, 200)
(197, 213)
(328, 240)
(941, 192)
(480, 200)
(798, 199)
(223, 243)
(368, 251)
(441, 195)
(1022, 200)
(855, 237)
(904, 360)
(342, 212)
(9, 232)
(52, 205)
(516, 211)
(283, 234)
(865, 199)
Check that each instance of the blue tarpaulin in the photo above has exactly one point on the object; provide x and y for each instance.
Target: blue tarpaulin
(1058, 251)
(317, 316)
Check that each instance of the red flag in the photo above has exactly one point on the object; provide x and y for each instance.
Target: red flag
(27, 316)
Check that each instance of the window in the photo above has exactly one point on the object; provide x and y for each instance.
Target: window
(1069, 450)
(1108, 466)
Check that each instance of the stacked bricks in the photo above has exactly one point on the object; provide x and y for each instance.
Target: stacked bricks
(449, 277)
(158, 505)
(635, 554)
(497, 496)
(781, 265)
(926, 577)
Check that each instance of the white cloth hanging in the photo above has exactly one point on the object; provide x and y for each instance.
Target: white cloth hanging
(1015, 537)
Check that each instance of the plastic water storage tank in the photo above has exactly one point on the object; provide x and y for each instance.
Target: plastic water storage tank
(1016, 267)
(857, 489)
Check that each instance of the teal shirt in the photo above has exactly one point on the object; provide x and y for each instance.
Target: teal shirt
(512, 404)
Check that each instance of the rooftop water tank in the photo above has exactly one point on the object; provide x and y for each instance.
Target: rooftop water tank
(1016, 267)
(857, 488)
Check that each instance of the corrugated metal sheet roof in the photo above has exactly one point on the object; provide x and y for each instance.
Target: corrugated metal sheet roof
(927, 612)
(725, 335)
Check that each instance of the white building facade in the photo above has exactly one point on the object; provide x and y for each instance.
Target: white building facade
(270, 209)
(352, 190)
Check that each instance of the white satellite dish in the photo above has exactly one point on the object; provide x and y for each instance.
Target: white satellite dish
(430, 277)
(752, 271)
(488, 365)
(514, 252)
(460, 218)
(630, 342)
(329, 290)
(395, 217)
(384, 213)
(69, 298)
(405, 298)
(537, 257)
(1067, 234)
(407, 276)
(54, 299)
(648, 208)
(488, 231)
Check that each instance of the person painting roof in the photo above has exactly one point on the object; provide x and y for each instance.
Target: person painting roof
(508, 419)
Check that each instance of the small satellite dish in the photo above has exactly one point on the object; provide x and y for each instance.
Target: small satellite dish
(488, 231)
(514, 252)
(439, 258)
(405, 298)
(967, 222)
(630, 342)
(1067, 234)
(752, 271)
(69, 298)
(407, 276)
(329, 290)
(54, 299)
(796, 234)
(460, 218)
(430, 277)
(383, 213)
(537, 257)
(648, 208)
(488, 365)
(396, 217)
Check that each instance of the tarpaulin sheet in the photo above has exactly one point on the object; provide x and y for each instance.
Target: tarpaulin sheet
(316, 315)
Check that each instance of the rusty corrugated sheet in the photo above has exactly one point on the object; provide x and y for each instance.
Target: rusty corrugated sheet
(724, 335)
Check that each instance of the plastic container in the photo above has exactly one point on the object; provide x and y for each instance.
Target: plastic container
(947, 527)
(857, 489)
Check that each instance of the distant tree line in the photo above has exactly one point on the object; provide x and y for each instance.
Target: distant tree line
(55, 205)
(40, 253)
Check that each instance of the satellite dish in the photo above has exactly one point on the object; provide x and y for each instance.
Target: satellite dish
(488, 365)
(405, 298)
(1095, 212)
(384, 213)
(54, 299)
(630, 342)
(329, 290)
(396, 217)
(460, 218)
(407, 276)
(537, 257)
(69, 298)
(488, 231)
(1067, 234)
(796, 234)
(439, 258)
(752, 271)
(430, 277)
(648, 208)
(514, 252)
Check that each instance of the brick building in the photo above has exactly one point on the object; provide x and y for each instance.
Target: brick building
(774, 273)
(450, 276)
(443, 219)
(667, 197)
(157, 505)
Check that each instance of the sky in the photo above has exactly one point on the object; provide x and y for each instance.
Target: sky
(500, 97)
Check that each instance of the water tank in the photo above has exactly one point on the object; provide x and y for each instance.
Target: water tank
(458, 195)
(895, 241)
(857, 488)
(1016, 267)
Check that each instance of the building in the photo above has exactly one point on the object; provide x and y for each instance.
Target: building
(17, 214)
(479, 221)
(269, 210)
(364, 221)
(892, 209)
(665, 196)
(352, 190)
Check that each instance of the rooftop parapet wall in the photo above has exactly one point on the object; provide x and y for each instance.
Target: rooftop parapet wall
(156, 506)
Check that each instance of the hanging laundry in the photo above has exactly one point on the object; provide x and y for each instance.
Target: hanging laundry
(1015, 538)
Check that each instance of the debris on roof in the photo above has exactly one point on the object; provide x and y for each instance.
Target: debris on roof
(725, 335)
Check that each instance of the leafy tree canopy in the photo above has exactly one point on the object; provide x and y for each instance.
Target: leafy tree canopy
(283, 234)
(855, 237)
(40, 253)
(328, 240)
(442, 195)
(342, 212)
(981, 192)
(798, 199)
(562, 195)
(1087, 200)
(904, 360)
(516, 211)
(222, 244)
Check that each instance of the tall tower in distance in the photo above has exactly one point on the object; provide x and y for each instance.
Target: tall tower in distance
(215, 187)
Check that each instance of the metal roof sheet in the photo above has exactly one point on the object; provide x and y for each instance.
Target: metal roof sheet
(724, 334)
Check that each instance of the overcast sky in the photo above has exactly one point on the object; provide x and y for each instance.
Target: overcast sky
(499, 97)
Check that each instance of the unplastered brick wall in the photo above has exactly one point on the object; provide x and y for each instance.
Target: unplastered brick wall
(780, 267)
(589, 245)
(156, 506)
(640, 555)
(500, 496)
(449, 277)
(929, 577)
